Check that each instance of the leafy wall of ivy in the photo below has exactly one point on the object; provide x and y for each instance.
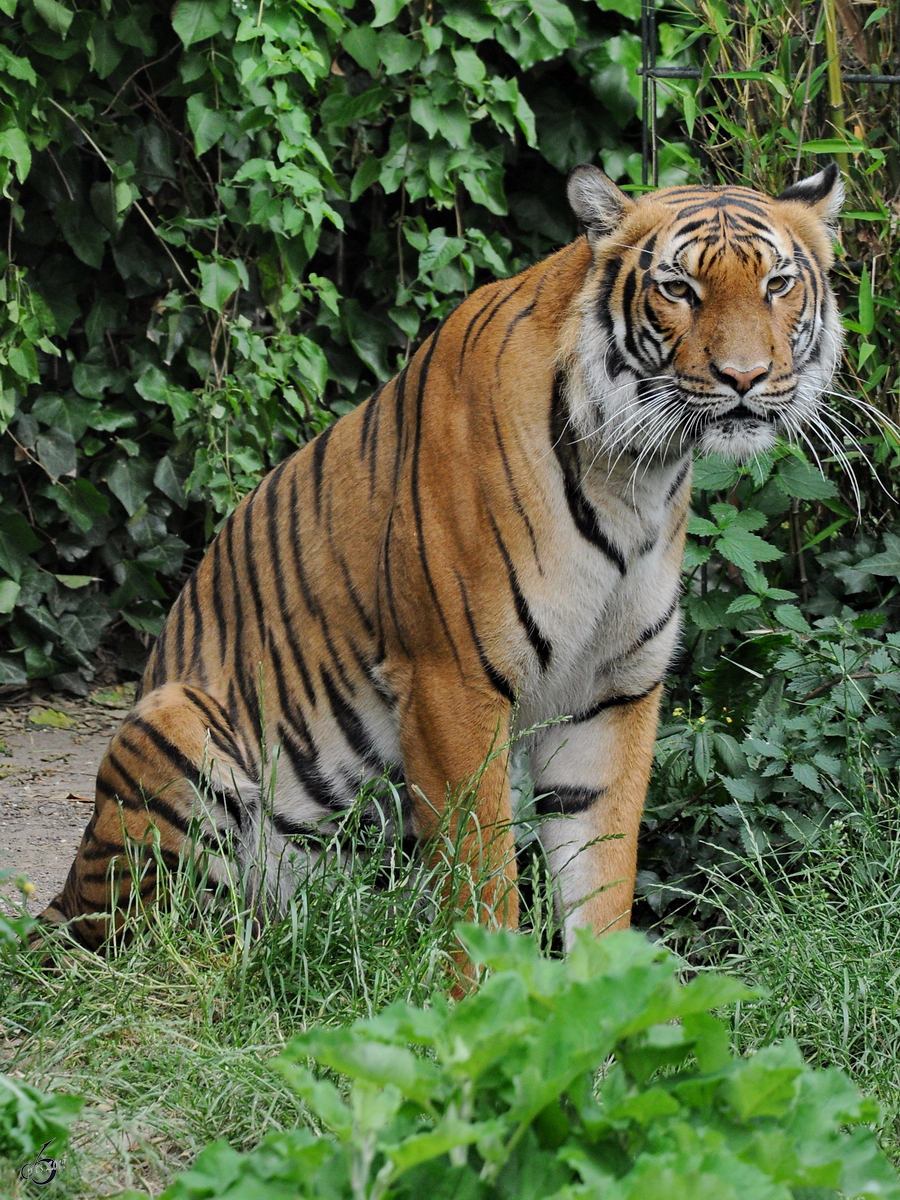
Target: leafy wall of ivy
(223, 224)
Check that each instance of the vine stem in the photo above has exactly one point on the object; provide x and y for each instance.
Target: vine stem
(137, 206)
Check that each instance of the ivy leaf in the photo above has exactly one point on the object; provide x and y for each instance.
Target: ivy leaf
(195, 20)
(14, 146)
(220, 280)
(366, 175)
(361, 42)
(129, 482)
(57, 453)
(9, 594)
(341, 109)
(387, 11)
(56, 15)
(208, 124)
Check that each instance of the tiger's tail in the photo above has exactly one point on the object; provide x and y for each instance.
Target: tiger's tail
(177, 784)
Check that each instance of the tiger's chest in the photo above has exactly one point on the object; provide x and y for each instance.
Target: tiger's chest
(609, 607)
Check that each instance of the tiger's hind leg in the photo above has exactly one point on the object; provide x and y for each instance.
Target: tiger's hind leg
(177, 782)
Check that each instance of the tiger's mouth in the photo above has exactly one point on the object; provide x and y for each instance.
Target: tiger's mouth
(740, 415)
(738, 433)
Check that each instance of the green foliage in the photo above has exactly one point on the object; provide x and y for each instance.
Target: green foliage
(14, 925)
(498, 1096)
(227, 223)
(30, 1118)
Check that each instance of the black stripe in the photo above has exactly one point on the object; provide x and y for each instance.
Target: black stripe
(656, 628)
(539, 643)
(290, 828)
(517, 503)
(500, 303)
(101, 850)
(399, 427)
(611, 702)
(287, 621)
(679, 479)
(348, 721)
(320, 445)
(568, 800)
(468, 333)
(610, 275)
(415, 493)
(583, 515)
(218, 720)
(510, 330)
(369, 413)
(218, 592)
(498, 681)
(230, 800)
(246, 690)
(305, 765)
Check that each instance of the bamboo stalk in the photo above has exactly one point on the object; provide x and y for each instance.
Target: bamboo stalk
(835, 85)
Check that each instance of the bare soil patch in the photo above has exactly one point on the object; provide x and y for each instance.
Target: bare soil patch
(50, 749)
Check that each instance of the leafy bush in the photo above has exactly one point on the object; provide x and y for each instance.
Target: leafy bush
(16, 924)
(228, 223)
(499, 1096)
(30, 1118)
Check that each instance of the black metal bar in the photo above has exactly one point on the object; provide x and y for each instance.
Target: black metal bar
(644, 72)
(694, 73)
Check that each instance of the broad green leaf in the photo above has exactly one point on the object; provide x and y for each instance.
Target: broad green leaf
(341, 109)
(208, 124)
(797, 477)
(387, 11)
(398, 53)
(56, 15)
(367, 174)
(745, 549)
(75, 581)
(129, 481)
(887, 562)
(14, 146)
(195, 20)
(57, 452)
(790, 616)
(220, 280)
(361, 42)
(9, 593)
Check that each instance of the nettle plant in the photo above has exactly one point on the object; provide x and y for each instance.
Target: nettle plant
(227, 222)
(597, 1076)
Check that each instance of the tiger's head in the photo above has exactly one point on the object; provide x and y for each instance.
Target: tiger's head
(707, 319)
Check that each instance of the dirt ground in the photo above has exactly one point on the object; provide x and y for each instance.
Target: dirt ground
(50, 749)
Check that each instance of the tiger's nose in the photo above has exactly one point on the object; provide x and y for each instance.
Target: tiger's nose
(741, 381)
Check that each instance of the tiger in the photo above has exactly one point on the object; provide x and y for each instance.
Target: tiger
(488, 548)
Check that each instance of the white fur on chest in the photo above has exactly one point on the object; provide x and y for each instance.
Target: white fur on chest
(592, 614)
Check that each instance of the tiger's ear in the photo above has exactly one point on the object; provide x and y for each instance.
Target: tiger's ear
(823, 192)
(596, 201)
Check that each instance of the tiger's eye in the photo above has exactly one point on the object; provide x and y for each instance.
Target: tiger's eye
(676, 288)
(778, 284)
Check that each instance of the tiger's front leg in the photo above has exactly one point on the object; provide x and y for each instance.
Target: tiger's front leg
(591, 776)
(455, 745)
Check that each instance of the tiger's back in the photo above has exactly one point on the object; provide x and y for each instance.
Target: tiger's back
(492, 541)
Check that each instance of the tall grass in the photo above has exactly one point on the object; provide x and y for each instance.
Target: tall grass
(820, 929)
(170, 1037)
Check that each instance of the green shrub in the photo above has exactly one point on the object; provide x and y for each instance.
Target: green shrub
(30, 1118)
(499, 1096)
